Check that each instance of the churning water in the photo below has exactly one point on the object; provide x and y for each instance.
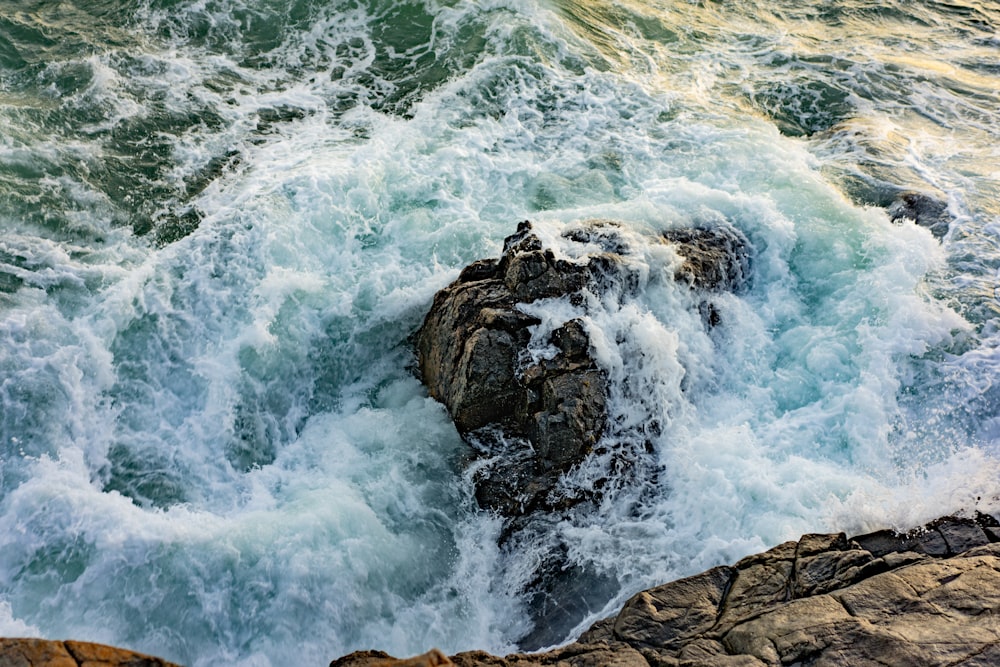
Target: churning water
(222, 220)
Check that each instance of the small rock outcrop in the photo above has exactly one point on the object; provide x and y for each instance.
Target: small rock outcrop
(715, 258)
(537, 419)
(31, 652)
(471, 350)
(930, 597)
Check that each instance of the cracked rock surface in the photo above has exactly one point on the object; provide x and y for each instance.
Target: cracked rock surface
(929, 597)
(31, 652)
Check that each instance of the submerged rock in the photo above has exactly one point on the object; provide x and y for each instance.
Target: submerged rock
(923, 209)
(536, 419)
(903, 196)
(929, 597)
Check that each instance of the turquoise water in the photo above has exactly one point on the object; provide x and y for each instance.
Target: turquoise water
(223, 220)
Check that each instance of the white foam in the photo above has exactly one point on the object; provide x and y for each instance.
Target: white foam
(280, 326)
(13, 627)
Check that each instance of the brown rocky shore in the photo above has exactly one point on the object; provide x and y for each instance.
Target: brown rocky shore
(930, 597)
(30, 652)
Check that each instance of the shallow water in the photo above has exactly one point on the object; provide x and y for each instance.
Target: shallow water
(223, 220)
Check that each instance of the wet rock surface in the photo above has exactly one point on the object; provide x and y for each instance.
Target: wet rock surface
(531, 400)
(923, 209)
(715, 258)
(536, 419)
(471, 350)
(929, 597)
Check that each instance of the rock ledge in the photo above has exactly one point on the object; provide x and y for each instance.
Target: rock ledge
(929, 597)
(31, 652)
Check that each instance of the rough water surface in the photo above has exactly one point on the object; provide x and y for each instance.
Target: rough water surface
(223, 220)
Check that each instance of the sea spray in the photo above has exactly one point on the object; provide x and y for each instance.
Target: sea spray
(223, 221)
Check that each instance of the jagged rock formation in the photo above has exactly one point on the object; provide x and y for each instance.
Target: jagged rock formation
(473, 344)
(930, 597)
(470, 349)
(30, 652)
(533, 416)
(715, 258)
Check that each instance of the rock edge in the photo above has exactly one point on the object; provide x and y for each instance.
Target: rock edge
(928, 597)
(32, 652)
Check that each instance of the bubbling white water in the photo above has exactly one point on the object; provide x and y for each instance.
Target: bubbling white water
(217, 450)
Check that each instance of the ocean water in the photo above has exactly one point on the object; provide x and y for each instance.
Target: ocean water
(223, 220)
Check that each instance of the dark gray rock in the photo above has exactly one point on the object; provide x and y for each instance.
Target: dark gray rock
(715, 258)
(535, 421)
(960, 535)
(532, 419)
(935, 538)
(923, 209)
(538, 419)
(904, 196)
(562, 595)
